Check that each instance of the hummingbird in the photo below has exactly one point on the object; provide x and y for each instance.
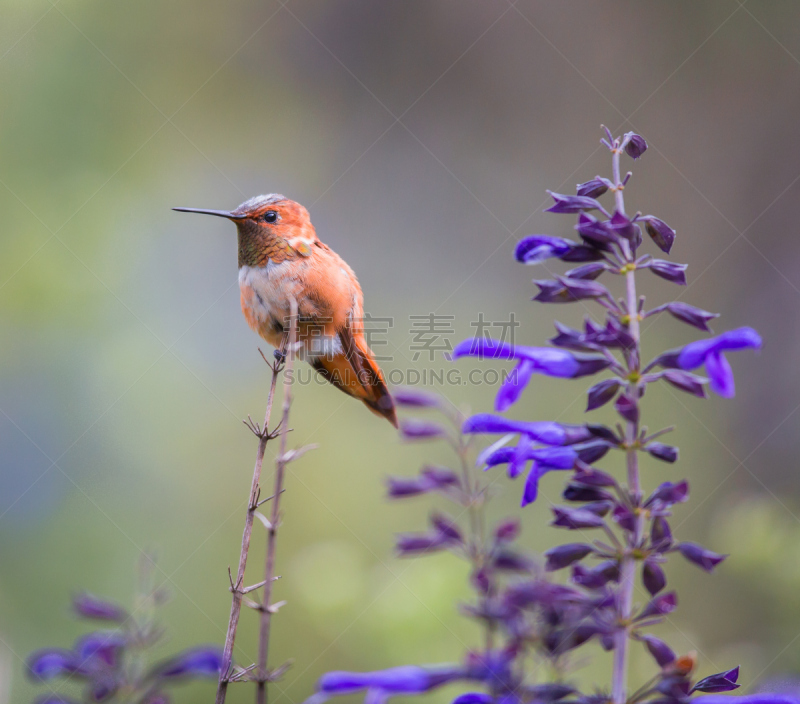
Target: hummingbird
(280, 256)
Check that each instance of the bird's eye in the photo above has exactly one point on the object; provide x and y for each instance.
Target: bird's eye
(270, 216)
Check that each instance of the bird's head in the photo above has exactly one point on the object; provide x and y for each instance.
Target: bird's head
(271, 227)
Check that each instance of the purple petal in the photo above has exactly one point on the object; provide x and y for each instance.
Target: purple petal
(661, 233)
(575, 518)
(483, 349)
(537, 248)
(669, 493)
(571, 204)
(686, 381)
(602, 392)
(588, 271)
(90, 606)
(720, 375)
(653, 577)
(660, 606)
(660, 651)
(415, 398)
(473, 698)
(675, 273)
(411, 544)
(513, 386)
(701, 557)
(666, 453)
(507, 531)
(416, 429)
(695, 353)
(596, 232)
(531, 489)
(205, 661)
(564, 555)
(627, 407)
(546, 432)
(690, 315)
(592, 189)
(634, 145)
(721, 682)
(408, 679)
(52, 662)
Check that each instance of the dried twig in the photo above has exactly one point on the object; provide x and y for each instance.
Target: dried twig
(272, 531)
(227, 669)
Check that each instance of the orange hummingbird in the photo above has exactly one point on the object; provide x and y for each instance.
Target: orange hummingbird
(280, 256)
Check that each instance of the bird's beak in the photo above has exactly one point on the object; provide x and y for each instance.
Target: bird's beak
(218, 213)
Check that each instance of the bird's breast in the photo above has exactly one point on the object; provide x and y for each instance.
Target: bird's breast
(265, 292)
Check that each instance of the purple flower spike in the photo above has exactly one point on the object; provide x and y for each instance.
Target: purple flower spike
(576, 518)
(89, 606)
(205, 661)
(721, 682)
(564, 555)
(416, 429)
(660, 606)
(634, 145)
(666, 453)
(415, 398)
(594, 188)
(602, 392)
(706, 559)
(571, 204)
(653, 577)
(661, 233)
(52, 662)
(675, 273)
(545, 432)
(660, 651)
(711, 352)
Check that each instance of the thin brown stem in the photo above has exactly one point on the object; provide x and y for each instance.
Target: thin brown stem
(272, 534)
(236, 587)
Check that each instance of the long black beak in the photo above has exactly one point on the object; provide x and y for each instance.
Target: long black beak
(218, 213)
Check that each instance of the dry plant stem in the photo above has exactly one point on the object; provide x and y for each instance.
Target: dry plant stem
(236, 602)
(619, 683)
(274, 520)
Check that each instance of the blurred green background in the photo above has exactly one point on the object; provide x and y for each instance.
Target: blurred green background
(422, 137)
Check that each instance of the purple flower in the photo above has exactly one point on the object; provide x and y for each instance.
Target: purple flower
(417, 429)
(90, 606)
(634, 145)
(675, 273)
(613, 335)
(541, 360)
(721, 682)
(598, 576)
(507, 531)
(594, 188)
(758, 698)
(701, 557)
(564, 555)
(545, 432)
(660, 534)
(572, 204)
(204, 661)
(661, 233)
(474, 698)
(602, 392)
(102, 648)
(666, 453)
(415, 398)
(627, 407)
(623, 226)
(711, 353)
(447, 528)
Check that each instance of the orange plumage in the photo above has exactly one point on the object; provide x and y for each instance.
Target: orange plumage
(280, 256)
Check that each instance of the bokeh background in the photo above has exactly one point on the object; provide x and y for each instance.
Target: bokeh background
(422, 137)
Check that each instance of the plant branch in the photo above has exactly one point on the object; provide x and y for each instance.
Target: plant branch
(252, 503)
(280, 471)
